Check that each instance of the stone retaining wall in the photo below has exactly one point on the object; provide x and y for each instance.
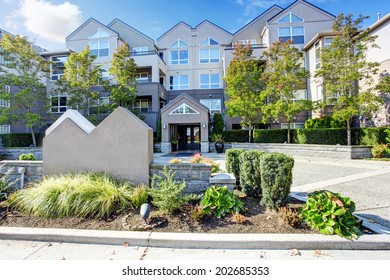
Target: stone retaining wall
(329, 151)
(14, 169)
(14, 153)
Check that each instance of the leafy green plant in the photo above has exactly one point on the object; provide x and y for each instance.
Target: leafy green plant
(197, 213)
(276, 179)
(380, 151)
(219, 201)
(329, 213)
(233, 163)
(27, 157)
(292, 217)
(217, 124)
(139, 196)
(167, 193)
(250, 178)
(87, 195)
(217, 137)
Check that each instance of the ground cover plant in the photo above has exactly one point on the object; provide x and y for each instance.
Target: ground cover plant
(27, 157)
(329, 213)
(88, 195)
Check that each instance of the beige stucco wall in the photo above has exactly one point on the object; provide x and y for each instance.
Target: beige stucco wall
(121, 145)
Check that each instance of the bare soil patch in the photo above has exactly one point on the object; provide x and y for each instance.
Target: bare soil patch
(259, 220)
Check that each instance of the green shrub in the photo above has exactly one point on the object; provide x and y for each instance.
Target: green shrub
(88, 195)
(233, 163)
(217, 124)
(324, 122)
(139, 196)
(271, 135)
(330, 136)
(20, 139)
(167, 193)
(250, 179)
(27, 157)
(387, 132)
(380, 151)
(276, 179)
(369, 136)
(197, 213)
(219, 201)
(329, 213)
(237, 136)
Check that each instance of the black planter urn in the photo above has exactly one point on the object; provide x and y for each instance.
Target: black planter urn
(219, 147)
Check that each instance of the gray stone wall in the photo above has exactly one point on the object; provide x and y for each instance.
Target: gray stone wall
(329, 151)
(14, 169)
(14, 153)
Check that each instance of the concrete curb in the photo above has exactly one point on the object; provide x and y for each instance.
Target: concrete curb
(198, 240)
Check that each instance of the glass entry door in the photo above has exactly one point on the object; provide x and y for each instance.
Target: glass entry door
(189, 137)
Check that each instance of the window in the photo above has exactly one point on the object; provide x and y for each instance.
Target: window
(251, 42)
(294, 33)
(4, 103)
(209, 42)
(292, 125)
(141, 105)
(318, 54)
(179, 56)
(99, 106)
(142, 78)
(105, 74)
(184, 109)
(140, 50)
(57, 67)
(99, 48)
(5, 129)
(210, 81)
(319, 92)
(179, 44)
(209, 55)
(178, 82)
(214, 105)
(327, 42)
(290, 18)
(99, 33)
(58, 103)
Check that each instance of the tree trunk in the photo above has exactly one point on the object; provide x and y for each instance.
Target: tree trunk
(349, 138)
(250, 134)
(33, 137)
(288, 132)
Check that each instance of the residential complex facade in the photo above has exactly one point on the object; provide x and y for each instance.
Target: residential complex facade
(180, 75)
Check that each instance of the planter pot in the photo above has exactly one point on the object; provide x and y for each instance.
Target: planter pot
(219, 147)
(174, 147)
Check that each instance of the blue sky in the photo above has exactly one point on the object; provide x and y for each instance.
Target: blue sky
(48, 22)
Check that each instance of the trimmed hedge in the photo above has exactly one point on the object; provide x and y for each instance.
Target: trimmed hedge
(238, 136)
(369, 135)
(20, 139)
(271, 135)
(329, 136)
(250, 178)
(276, 179)
(233, 163)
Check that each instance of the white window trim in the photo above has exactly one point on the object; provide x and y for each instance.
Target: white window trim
(5, 129)
(51, 67)
(208, 105)
(98, 104)
(140, 107)
(58, 111)
(140, 50)
(179, 60)
(292, 125)
(184, 113)
(291, 35)
(209, 81)
(180, 86)
(99, 48)
(99, 31)
(209, 56)
(317, 47)
(290, 16)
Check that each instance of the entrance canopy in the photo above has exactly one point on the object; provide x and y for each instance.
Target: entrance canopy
(185, 125)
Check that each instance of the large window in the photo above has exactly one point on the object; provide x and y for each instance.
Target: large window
(140, 50)
(210, 54)
(210, 81)
(184, 109)
(178, 56)
(290, 18)
(318, 54)
(58, 103)
(214, 105)
(99, 48)
(328, 41)
(141, 78)
(99, 106)
(57, 67)
(296, 34)
(178, 82)
(141, 105)
(5, 129)
(292, 125)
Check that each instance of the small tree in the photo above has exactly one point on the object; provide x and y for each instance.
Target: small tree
(81, 79)
(24, 69)
(244, 87)
(123, 83)
(284, 77)
(217, 124)
(345, 71)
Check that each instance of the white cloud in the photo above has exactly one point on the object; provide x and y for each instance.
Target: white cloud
(48, 20)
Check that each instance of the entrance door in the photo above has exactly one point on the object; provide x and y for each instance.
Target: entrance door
(189, 137)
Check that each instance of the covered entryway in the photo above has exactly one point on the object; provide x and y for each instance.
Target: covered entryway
(185, 125)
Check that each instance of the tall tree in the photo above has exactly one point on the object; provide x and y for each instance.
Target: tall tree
(123, 83)
(81, 79)
(345, 73)
(284, 77)
(244, 87)
(22, 68)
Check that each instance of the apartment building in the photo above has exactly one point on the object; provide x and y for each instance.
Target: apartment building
(180, 75)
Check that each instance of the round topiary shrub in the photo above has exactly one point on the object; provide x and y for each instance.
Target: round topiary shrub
(276, 179)
(250, 177)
